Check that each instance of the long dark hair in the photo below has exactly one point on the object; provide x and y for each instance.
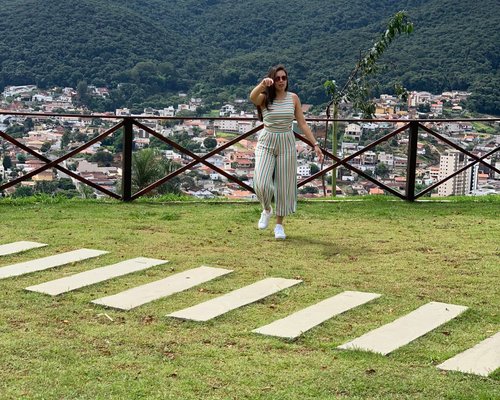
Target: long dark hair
(270, 92)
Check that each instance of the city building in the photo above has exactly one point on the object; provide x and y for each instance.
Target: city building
(461, 184)
(354, 131)
(304, 170)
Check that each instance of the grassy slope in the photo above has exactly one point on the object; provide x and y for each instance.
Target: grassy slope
(65, 347)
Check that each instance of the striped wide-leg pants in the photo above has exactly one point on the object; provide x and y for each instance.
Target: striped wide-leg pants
(276, 171)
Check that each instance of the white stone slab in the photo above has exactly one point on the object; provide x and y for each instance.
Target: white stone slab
(17, 247)
(404, 330)
(235, 299)
(96, 275)
(165, 287)
(48, 262)
(296, 324)
(482, 359)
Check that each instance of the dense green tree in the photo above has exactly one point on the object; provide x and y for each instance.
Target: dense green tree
(145, 51)
(210, 143)
(484, 97)
(102, 158)
(424, 108)
(28, 124)
(7, 162)
(65, 184)
(16, 131)
(45, 147)
(66, 138)
(381, 170)
(308, 189)
(314, 169)
(23, 191)
(47, 187)
(156, 143)
(82, 91)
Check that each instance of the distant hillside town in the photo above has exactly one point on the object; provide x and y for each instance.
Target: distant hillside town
(101, 163)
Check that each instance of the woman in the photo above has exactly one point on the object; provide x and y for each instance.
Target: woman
(276, 155)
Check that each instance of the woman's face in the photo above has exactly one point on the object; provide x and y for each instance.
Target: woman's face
(280, 80)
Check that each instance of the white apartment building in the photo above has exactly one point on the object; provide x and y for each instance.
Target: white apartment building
(353, 130)
(304, 170)
(167, 112)
(369, 158)
(172, 155)
(386, 158)
(227, 109)
(461, 184)
(42, 98)
(122, 111)
(347, 148)
(230, 125)
(17, 90)
(186, 107)
(434, 173)
(245, 126)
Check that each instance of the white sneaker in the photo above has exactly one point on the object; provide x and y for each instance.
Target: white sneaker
(279, 232)
(265, 216)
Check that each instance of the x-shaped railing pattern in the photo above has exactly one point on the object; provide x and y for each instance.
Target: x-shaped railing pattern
(55, 163)
(127, 123)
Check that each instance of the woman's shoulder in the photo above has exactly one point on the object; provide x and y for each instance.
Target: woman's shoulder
(294, 97)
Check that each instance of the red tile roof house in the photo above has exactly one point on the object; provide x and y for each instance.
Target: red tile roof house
(376, 190)
(241, 194)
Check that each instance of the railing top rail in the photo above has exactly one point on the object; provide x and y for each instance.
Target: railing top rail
(316, 119)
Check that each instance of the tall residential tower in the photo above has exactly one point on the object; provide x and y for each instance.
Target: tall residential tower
(462, 184)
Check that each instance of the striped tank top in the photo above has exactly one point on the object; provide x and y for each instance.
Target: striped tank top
(280, 115)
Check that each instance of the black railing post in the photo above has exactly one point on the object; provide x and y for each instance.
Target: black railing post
(411, 170)
(128, 137)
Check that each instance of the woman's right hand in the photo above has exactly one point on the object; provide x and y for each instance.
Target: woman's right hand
(266, 82)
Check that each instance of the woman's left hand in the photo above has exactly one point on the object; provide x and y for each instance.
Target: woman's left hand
(319, 153)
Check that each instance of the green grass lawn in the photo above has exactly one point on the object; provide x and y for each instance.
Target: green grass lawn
(227, 135)
(485, 128)
(67, 348)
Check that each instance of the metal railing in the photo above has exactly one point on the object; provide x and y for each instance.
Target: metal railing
(128, 122)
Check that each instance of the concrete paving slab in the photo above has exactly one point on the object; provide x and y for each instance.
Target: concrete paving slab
(40, 264)
(18, 247)
(482, 359)
(86, 278)
(235, 299)
(165, 287)
(296, 324)
(404, 330)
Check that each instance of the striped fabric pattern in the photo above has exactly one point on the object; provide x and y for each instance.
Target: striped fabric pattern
(280, 115)
(276, 167)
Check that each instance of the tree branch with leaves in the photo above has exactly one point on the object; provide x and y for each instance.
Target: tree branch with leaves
(356, 90)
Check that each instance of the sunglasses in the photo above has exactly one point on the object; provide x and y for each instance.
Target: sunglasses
(280, 78)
